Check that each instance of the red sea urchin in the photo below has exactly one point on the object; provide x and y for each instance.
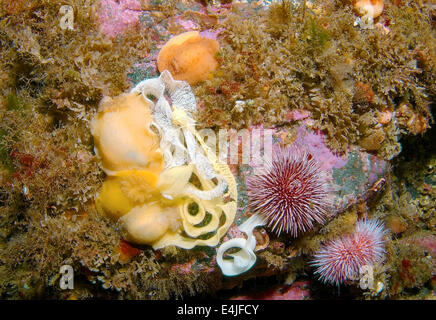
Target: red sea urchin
(292, 193)
(342, 259)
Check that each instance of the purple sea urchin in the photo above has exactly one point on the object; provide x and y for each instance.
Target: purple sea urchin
(292, 194)
(341, 259)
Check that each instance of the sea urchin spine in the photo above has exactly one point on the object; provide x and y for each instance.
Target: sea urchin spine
(292, 194)
(341, 259)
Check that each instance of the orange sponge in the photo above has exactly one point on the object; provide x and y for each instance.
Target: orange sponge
(370, 8)
(189, 57)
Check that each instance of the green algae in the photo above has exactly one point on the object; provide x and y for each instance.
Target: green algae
(5, 158)
(317, 36)
(316, 61)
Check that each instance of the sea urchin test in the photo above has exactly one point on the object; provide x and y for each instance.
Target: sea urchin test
(164, 185)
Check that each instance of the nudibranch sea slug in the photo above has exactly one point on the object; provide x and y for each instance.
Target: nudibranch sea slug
(189, 57)
(164, 186)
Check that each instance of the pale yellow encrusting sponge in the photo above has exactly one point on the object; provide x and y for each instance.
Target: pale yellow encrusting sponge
(164, 186)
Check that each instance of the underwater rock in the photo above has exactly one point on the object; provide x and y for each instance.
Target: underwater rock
(351, 179)
(352, 174)
(375, 91)
(297, 291)
(116, 16)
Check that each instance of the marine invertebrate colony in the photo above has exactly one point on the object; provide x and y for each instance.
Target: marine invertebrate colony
(292, 194)
(368, 8)
(189, 57)
(165, 187)
(341, 259)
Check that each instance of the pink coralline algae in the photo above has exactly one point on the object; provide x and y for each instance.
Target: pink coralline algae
(303, 139)
(350, 176)
(313, 142)
(428, 242)
(292, 192)
(210, 34)
(188, 25)
(183, 268)
(296, 115)
(116, 16)
(233, 232)
(297, 291)
(342, 259)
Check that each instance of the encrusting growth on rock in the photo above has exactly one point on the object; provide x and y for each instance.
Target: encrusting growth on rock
(189, 57)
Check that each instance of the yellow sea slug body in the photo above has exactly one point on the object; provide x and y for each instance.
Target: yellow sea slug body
(148, 223)
(150, 188)
(123, 137)
(112, 201)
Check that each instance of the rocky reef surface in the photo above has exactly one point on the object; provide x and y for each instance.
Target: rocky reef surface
(359, 99)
